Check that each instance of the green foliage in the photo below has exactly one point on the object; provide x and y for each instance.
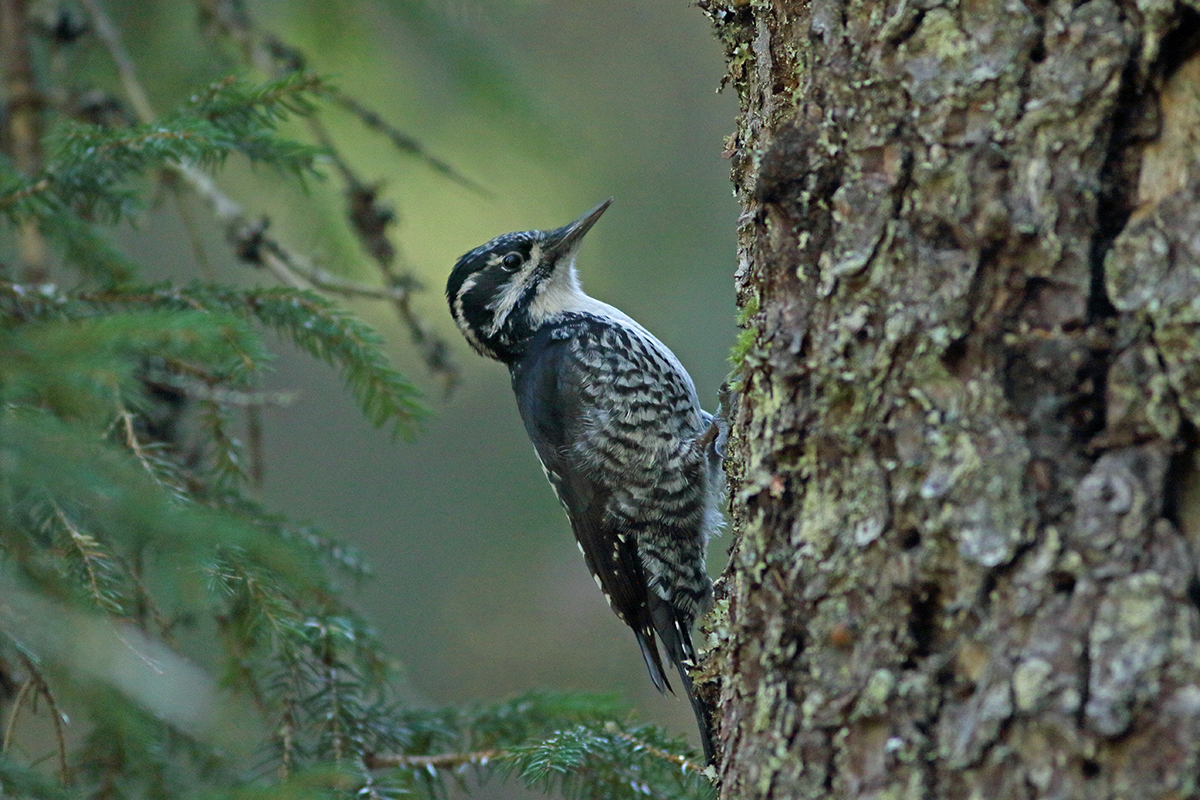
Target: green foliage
(588, 762)
(91, 168)
(328, 333)
(747, 339)
(86, 250)
(19, 780)
(161, 634)
(80, 367)
(562, 743)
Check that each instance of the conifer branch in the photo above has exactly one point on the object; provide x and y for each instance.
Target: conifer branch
(270, 55)
(254, 245)
(24, 193)
(146, 517)
(89, 553)
(368, 218)
(441, 761)
(452, 761)
(683, 762)
(131, 441)
(250, 239)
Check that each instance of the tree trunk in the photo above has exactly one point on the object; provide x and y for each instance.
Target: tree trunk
(962, 474)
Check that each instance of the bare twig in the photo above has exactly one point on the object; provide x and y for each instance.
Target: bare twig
(254, 443)
(84, 544)
(678, 760)
(197, 389)
(147, 604)
(35, 685)
(335, 284)
(131, 440)
(111, 38)
(287, 739)
(60, 738)
(10, 728)
(189, 226)
(368, 218)
(174, 483)
(402, 141)
(435, 762)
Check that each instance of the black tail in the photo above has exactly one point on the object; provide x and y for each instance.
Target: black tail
(676, 640)
(703, 715)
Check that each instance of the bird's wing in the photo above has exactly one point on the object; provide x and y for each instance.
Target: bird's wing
(558, 418)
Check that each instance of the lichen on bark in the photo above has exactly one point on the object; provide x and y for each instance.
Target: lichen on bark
(962, 483)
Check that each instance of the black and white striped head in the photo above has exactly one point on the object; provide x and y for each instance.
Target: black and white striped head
(502, 292)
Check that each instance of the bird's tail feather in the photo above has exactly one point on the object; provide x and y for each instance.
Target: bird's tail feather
(645, 640)
(703, 715)
(677, 641)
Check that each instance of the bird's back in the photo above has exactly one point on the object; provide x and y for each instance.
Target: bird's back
(614, 420)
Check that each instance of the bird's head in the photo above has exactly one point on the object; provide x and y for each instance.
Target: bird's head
(504, 291)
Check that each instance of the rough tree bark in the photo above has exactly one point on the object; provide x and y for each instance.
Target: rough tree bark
(963, 473)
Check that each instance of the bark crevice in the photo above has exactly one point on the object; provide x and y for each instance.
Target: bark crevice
(966, 539)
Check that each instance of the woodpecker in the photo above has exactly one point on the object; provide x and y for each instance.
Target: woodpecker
(617, 426)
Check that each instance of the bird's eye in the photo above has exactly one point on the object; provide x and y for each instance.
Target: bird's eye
(511, 261)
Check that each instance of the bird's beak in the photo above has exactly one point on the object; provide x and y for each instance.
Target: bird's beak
(565, 239)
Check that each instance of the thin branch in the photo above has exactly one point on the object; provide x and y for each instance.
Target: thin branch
(367, 217)
(446, 761)
(369, 221)
(19, 195)
(680, 761)
(197, 389)
(146, 602)
(402, 141)
(271, 55)
(193, 234)
(60, 738)
(287, 743)
(334, 284)
(131, 441)
(111, 38)
(254, 443)
(85, 545)
(250, 240)
(33, 686)
(11, 727)
(451, 761)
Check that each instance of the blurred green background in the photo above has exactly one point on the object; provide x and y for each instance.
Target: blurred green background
(552, 106)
